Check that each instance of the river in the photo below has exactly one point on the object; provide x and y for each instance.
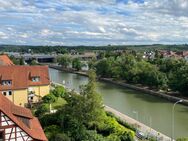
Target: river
(150, 110)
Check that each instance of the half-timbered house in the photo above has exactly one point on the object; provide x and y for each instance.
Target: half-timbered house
(18, 123)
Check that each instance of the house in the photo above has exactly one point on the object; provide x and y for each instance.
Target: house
(18, 123)
(24, 84)
(5, 61)
(170, 54)
(185, 55)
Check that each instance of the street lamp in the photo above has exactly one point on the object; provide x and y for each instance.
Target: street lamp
(173, 117)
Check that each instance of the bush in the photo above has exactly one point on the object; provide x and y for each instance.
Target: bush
(125, 124)
(59, 91)
(42, 109)
(127, 136)
(52, 131)
(92, 135)
(50, 98)
(62, 137)
(112, 127)
(49, 119)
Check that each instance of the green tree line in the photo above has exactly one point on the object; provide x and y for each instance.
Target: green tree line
(158, 73)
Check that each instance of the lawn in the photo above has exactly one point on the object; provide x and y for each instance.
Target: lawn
(59, 103)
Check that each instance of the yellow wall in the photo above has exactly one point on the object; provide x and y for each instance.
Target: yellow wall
(20, 97)
(40, 91)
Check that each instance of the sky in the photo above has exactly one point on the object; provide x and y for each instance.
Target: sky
(93, 22)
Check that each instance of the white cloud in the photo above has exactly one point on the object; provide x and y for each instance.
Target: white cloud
(48, 32)
(93, 22)
(24, 35)
(3, 35)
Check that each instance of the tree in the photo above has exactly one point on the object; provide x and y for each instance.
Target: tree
(50, 98)
(62, 137)
(14, 60)
(77, 64)
(93, 106)
(33, 62)
(104, 67)
(126, 63)
(41, 110)
(179, 80)
(151, 76)
(87, 107)
(22, 61)
(64, 61)
(91, 64)
(59, 91)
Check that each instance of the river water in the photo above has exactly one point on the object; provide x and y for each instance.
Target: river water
(150, 110)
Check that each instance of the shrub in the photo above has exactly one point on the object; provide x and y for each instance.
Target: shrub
(62, 137)
(59, 91)
(51, 131)
(125, 124)
(42, 109)
(50, 98)
(49, 119)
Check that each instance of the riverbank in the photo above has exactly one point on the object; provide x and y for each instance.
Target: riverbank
(141, 89)
(142, 127)
(146, 130)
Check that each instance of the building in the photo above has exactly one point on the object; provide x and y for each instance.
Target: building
(185, 55)
(5, 61)
(24, 84)
(18, 123)
(84, 56)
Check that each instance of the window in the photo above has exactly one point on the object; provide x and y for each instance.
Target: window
(7, 93)
(1, 136)
(4, 93)
(35, 79)
(6, 82)
(10, 93)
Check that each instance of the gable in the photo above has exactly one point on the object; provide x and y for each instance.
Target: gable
(12, 132)
(10, 116)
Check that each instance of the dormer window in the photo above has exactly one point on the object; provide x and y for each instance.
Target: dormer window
(6, 82)
(35, 79)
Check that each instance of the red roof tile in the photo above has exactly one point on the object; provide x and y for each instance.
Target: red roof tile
(21, 76)
(13, 112)
(4, 60)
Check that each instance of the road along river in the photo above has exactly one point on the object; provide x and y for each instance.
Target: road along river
(150, 110)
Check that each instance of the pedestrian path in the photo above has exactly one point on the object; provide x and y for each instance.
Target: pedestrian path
(142, 127)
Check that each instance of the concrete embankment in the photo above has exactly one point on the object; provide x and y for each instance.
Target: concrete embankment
(141, 89)
(145, 90)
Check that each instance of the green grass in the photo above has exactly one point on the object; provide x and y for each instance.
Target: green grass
(59, 103)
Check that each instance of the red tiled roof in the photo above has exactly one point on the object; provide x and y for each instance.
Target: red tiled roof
(4, 60)
(13, 111)
(185, 53)
(21, 76)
